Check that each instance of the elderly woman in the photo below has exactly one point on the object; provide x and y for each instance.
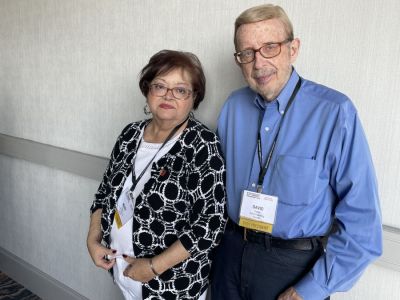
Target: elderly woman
(160, 209)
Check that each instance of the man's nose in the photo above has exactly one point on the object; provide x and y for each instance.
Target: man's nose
(259, 60)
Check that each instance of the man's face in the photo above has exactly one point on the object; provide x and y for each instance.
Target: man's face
(267, 76)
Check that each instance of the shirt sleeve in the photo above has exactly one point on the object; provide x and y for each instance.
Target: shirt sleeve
(104, 188)
(206, 186)
(357, 239)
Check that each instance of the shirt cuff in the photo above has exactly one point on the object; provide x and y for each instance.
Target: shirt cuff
(95, 206)
(309, 289)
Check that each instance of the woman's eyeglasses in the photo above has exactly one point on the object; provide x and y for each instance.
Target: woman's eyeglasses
(180, 93)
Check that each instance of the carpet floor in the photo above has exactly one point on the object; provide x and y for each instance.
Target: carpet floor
(11, 290)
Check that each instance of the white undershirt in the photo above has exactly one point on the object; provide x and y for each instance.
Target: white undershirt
(121, 239)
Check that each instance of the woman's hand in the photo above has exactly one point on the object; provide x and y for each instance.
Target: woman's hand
(98, 254)
(138, 269)
(96, 250)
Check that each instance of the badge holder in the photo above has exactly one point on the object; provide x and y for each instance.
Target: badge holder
(258, 211)
(124, 211)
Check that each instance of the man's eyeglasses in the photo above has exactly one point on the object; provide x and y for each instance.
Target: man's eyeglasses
(268, 50)
(159, 90)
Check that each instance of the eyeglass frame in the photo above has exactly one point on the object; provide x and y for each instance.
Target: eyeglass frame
(190, 92)
(258, 50)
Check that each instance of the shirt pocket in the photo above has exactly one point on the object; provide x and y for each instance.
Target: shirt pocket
(294, 179)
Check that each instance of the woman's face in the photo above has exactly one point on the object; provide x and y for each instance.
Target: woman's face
(168, 108)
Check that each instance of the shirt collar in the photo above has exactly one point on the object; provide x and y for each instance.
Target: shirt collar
(283, 97)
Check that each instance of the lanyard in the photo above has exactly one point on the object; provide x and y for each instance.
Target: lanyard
(171, 134)
(263, 170)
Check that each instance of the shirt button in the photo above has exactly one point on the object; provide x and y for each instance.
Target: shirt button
(282, 112)
(253, 185)
(267, 128)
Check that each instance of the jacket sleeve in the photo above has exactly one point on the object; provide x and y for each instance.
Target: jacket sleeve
(358, 238)
(104, 189)
(206, 186)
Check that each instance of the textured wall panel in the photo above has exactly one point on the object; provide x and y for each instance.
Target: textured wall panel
(44, 218)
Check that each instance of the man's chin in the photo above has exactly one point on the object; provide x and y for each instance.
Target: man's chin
(267, 94)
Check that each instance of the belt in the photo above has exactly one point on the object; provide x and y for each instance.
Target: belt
(274, 242)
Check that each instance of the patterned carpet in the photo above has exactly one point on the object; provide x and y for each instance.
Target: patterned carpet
(11, 290)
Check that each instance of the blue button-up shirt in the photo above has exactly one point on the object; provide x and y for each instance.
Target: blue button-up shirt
(321, 169)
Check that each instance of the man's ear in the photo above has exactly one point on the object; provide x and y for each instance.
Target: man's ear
(294, 49)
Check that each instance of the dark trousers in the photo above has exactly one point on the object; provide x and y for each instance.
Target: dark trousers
(245, 270)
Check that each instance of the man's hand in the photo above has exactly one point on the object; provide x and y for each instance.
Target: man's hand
(290, 294)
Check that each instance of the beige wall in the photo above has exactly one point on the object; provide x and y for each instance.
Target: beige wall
(68, 78)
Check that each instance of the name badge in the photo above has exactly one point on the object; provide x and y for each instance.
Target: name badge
(124, 209)
(258, 211)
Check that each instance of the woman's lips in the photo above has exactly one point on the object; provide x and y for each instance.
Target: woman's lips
(166, 106)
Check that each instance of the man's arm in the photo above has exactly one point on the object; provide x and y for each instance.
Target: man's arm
(358, 238)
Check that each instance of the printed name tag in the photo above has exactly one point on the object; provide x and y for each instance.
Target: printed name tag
(124, 209)
(258, 211)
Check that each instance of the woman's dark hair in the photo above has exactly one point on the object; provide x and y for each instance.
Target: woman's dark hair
(167, 60)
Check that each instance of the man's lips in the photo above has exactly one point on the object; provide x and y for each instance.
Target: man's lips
(263, 76)
(166, 106)
(263, 79)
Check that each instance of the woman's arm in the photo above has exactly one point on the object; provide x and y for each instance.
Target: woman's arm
(206, 184)
(145, 269)
(96, 250)
(103, 191)
(171, 256)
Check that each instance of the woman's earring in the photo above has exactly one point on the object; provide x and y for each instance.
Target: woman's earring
(146, 110)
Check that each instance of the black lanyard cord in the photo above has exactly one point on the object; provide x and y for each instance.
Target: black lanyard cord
(171, 134)
(263, 170)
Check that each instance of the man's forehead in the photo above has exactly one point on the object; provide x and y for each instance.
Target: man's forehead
(262, 31)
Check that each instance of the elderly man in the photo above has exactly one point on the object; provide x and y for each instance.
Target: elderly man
(298, 169)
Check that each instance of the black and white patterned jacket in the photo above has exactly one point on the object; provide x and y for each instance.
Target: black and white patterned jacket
(184, 199)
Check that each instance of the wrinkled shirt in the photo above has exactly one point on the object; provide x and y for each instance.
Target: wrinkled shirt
(321, 170)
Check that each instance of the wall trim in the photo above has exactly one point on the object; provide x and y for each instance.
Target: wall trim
(75, 162)
(93, 167)
(35, 280)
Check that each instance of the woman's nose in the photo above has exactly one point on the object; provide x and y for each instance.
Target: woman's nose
(169, 95)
